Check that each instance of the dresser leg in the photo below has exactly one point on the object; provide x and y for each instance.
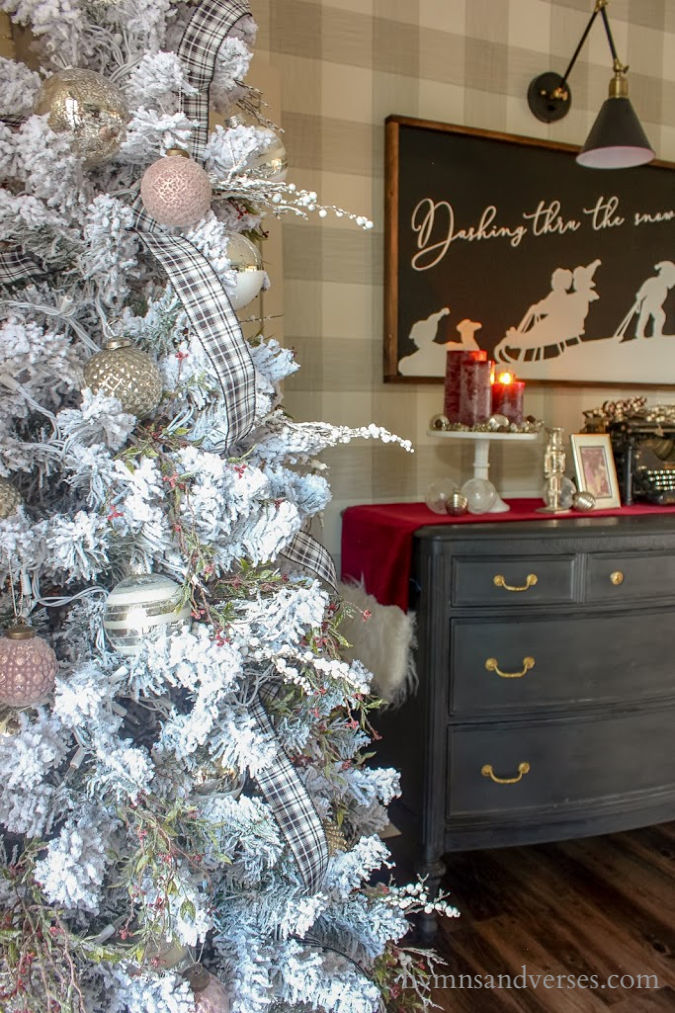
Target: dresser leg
(432, 870)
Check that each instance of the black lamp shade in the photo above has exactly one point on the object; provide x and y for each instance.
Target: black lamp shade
(616, 140)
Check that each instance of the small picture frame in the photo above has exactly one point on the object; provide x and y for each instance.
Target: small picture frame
(594, 468)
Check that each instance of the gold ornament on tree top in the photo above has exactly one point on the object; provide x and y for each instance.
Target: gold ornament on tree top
(88, 107)
(128, 373)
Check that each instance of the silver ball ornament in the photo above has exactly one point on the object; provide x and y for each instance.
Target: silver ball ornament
(215, 778)
(439, 423)
(583, 500)
(246, 261)
(128, 373)
(28, 667)
(10, 499)
(175, 190)
(497, 422)
(140, 605)
(88, 107)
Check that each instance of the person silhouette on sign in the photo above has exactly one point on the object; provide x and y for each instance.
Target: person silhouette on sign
(648, 304)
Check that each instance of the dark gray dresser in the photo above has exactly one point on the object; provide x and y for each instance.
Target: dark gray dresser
(546, 663)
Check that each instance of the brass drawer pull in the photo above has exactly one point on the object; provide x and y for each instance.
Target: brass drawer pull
(492, 665)
(500, 581)
(487, 771)
(616, 577)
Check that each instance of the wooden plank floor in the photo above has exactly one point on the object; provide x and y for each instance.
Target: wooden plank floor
(595, 906)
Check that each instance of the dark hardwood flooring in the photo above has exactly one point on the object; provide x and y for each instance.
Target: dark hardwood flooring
(596, 906)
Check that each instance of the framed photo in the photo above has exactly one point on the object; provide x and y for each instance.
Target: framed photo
(594, 468)
(504, 243)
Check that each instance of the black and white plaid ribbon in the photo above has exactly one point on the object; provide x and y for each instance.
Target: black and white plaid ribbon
(309, 554)
(213, 322)
(16, 266)
(293, 809)
(211, 21)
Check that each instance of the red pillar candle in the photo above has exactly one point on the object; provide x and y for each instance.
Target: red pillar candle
(475, 394)
(453, 367)
(507, 397)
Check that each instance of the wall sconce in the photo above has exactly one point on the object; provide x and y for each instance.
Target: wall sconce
(616, 140)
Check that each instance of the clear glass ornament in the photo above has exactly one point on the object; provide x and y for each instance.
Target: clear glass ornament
(439, 495)
(481, 495)
(565, 496)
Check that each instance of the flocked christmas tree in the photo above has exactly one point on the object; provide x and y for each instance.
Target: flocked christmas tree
(186, 818)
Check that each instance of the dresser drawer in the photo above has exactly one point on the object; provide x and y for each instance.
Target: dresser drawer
(513, 580)
(558, 762)
(529, 663)
(613, 577)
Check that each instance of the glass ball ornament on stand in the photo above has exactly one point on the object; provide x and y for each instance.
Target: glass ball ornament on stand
(481, 496)
(565, 494)
(87, 106)
(246, 262)
(478, 494)
(28, 667)
(138, 606)
(128, 373)
(176, 190)
(443, 497)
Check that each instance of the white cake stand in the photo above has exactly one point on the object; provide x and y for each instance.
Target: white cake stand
(481, 458)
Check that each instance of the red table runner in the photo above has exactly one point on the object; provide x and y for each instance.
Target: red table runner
(377, 538)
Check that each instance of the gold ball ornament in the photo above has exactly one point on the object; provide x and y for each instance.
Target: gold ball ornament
(9, 724)
(176, 190)
(583, 500)
(10, 499)
(272, 164)
(140, 605)
(245, 260)
(88, 107)
(209, 994)
(164, 954)
(128, 373)
(335, 839)
(28, 667)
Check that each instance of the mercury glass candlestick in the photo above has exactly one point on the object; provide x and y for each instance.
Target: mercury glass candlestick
(554, 468)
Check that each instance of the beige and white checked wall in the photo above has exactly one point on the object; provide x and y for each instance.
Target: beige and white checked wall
(342, 67)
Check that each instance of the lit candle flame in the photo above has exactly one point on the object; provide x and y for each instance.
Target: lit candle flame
(505, 378)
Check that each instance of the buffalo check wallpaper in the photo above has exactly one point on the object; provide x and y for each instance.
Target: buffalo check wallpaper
(342, 66)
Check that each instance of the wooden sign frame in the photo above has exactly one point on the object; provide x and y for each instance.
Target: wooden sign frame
(564, 274)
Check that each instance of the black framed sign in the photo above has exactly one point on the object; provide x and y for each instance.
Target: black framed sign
(504, 243)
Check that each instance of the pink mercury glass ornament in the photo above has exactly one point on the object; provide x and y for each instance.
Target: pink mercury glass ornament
(176, 190)
(27, 667)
